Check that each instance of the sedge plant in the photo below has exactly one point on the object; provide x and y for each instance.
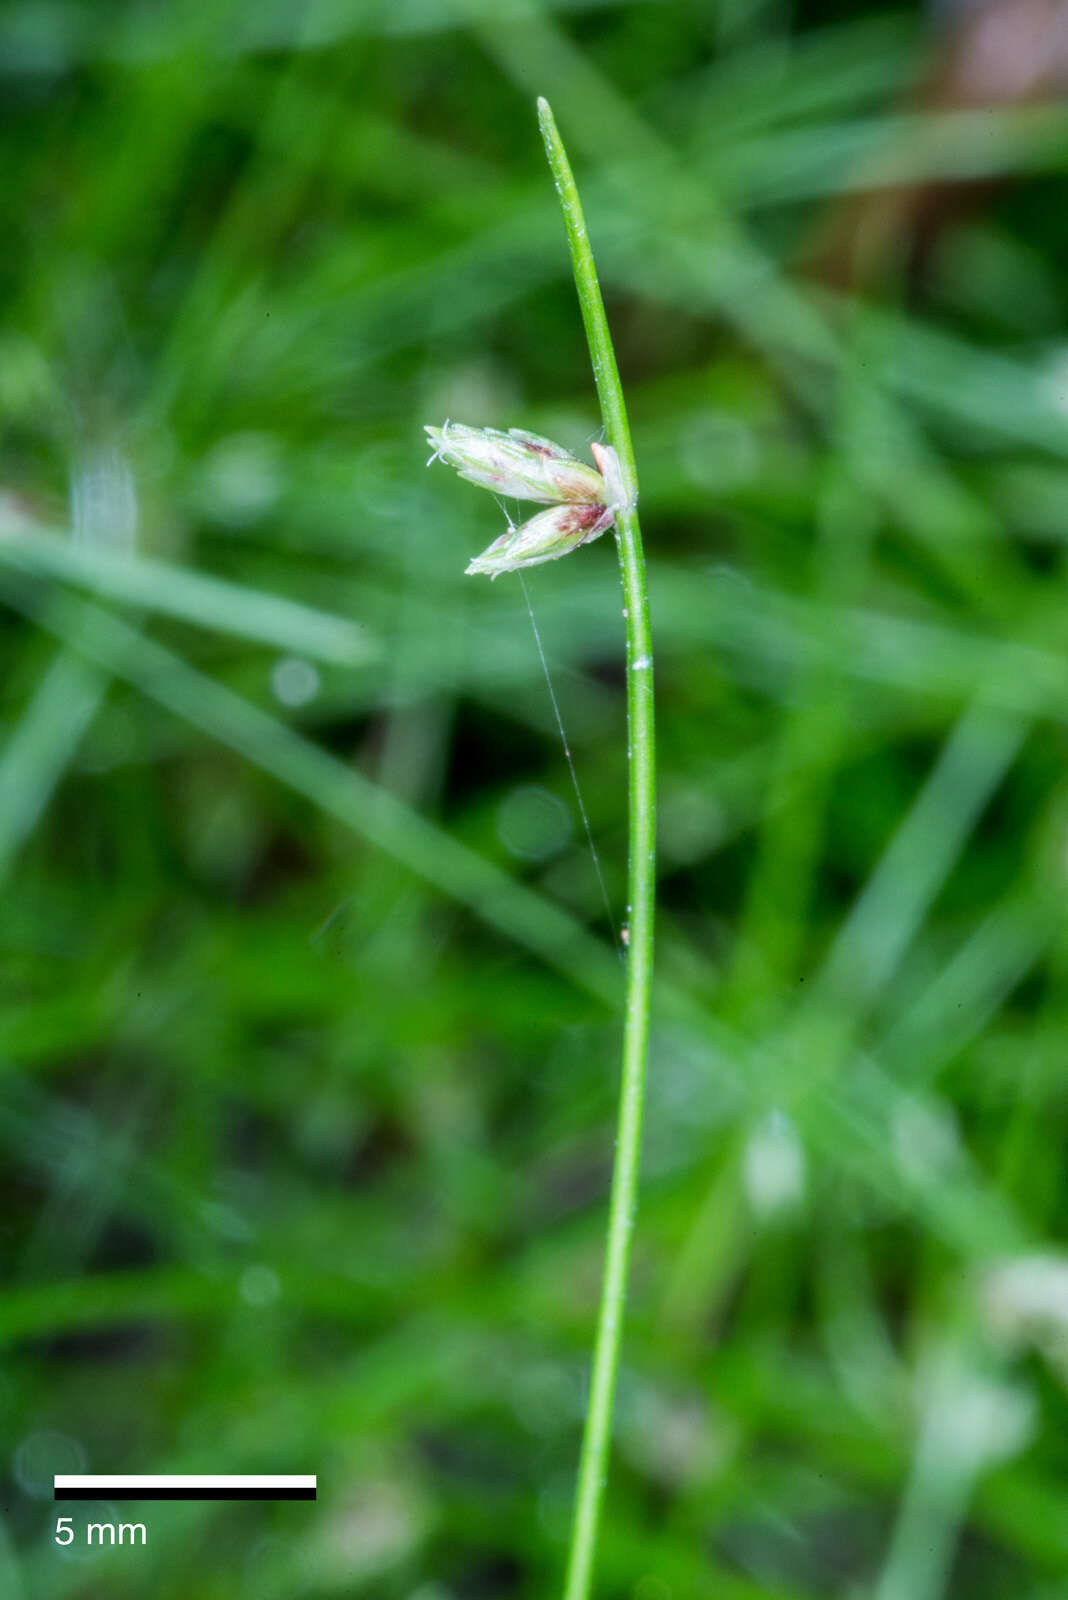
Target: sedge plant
(581, 503)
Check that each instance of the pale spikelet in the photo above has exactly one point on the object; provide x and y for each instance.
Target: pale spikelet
(546, 537)
(518, 465)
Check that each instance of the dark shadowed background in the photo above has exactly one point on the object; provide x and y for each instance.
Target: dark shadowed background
(309, 1035)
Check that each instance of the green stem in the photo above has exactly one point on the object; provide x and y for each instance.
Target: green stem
(641, 877)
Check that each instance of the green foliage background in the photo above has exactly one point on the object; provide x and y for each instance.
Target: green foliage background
(310, 1019)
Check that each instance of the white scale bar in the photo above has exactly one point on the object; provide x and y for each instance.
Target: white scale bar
(235, 1483)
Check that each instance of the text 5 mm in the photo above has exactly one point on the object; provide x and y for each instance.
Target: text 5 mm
(102, 1533)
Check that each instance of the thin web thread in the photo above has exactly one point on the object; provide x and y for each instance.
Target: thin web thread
(570, 762)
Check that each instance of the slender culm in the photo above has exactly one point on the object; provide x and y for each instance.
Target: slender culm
(641, 883)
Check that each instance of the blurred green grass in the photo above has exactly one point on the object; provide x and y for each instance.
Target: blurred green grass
(310, 1007)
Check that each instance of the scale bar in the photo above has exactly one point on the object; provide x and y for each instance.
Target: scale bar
(184, 1486)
